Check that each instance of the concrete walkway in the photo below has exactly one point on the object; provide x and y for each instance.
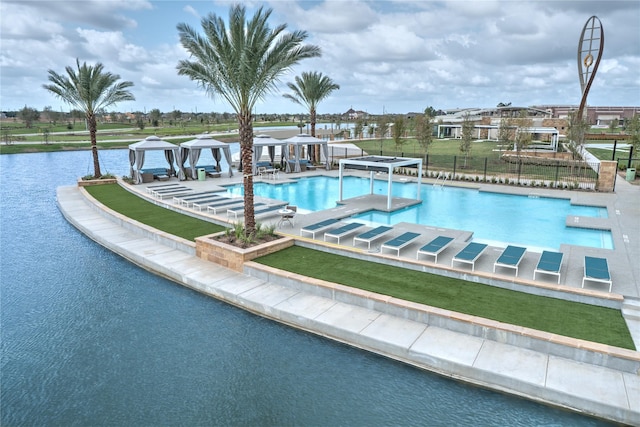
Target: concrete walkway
(596, 379)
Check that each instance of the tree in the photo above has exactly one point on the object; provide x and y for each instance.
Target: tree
(424, 131)
(89, 89)
(523, 136)
(613, 126)
(506, 134)
(467, 137)
(632, 127)
(399, 126)
(154, 116)
(242, 65)
(430, 111)
(309, 89)
(575, 133)
(29, 115)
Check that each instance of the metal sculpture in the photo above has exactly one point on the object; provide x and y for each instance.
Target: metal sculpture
(589, 54)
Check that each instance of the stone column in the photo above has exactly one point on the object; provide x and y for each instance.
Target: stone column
(607, 176)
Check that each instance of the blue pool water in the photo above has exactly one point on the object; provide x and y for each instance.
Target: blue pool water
(89, 339)
(492, 217)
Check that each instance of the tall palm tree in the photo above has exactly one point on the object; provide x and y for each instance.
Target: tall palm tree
(308, 90)
(242, 64)
(89, 89)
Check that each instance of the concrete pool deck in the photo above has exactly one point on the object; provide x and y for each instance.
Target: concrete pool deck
(609, 390)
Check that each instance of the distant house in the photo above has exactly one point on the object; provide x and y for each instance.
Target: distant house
(352, 114)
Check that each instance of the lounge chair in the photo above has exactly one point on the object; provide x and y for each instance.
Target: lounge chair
(215, 205)
(162, 190)
(470, 254)
(177, 191)
(318, 227)
(267, 210)
(371, 235)
(434, 247)
(549, 263)
(187, 200)
(510, 258)
(237, 209)
(596, 270)
(342, 231)
(399, 242)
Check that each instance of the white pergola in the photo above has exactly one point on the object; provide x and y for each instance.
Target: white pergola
(375, 164)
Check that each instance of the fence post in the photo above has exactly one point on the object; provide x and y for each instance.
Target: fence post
(613, 156)
(557, 171)
(455, 160)
(426, 165)
(519, 169)
(630, 156)
(485, 169)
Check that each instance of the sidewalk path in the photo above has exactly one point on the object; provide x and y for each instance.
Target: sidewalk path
(611, 392)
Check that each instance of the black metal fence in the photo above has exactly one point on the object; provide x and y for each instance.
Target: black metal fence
(504, 169)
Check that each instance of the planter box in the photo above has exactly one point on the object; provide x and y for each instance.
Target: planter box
(233, 257)
(88, 182)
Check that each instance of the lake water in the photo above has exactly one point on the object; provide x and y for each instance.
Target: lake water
(88, 339)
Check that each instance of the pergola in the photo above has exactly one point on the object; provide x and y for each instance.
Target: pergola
(302, 140)
(375, 164)
(192, 149)
(137, 150)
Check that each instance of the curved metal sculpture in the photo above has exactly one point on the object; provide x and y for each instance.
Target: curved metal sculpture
(589, 54)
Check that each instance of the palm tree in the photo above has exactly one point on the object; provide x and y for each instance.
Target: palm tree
(89, 90)
(309, 90)
(242, 64)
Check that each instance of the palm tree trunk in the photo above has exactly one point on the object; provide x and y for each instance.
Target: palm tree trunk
(91, 120)
(246, 152)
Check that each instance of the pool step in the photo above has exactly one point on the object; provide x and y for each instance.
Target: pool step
(631, 308)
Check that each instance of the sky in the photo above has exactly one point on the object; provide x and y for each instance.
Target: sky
(389, 57)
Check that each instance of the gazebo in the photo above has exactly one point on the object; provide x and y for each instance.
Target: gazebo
(192, 149)
(379, 164)
(261, 141)
(308, 140)
(138, 149)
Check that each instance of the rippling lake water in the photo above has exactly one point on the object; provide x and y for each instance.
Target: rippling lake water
(89, 339)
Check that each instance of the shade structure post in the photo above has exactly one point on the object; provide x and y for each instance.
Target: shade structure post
(371, 182)
(390, 174)
(340, 181)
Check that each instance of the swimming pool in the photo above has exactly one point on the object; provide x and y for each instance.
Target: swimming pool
(538, 222)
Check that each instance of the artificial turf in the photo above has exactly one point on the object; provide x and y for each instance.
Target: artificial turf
(572, 319)
(134, 207)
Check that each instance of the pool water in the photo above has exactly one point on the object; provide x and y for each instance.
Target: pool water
(536, 222)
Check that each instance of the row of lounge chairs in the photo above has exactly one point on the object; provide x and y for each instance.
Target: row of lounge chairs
(214, 201)
(550, 262)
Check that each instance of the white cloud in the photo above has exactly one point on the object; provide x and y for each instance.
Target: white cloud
(405, 55)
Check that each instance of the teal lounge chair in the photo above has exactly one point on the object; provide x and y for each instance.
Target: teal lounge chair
(238, 209)
(214, 206)
(342, 231)
(510, 258)
(268, 210)
(596, 270)
(318, 227)
(399, 242)
(470, 254)
(191, 198)
(549, 263)
(435, 246)
(371, 235)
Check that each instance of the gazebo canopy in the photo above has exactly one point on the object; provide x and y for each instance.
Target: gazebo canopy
(137, 150)
(261, 141)
(379, 164)
(306, 139)
(193, 148)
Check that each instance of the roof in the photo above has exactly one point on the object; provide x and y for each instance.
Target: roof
(152, 143)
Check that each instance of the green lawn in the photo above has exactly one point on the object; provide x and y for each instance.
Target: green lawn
(132, 206)
(566, 318)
